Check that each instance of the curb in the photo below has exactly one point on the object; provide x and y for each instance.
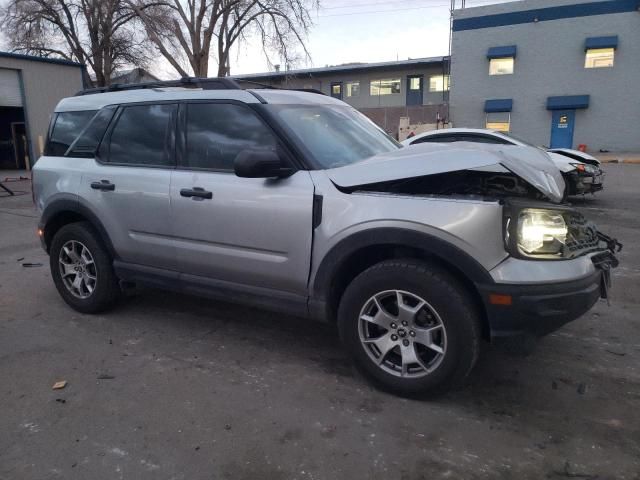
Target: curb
(628, 161)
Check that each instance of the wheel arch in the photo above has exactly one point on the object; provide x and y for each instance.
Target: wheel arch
(64, 211)
(356, 253)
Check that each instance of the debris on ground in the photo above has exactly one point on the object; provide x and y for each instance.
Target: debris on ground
(569, 473)
(28, 264)
(61, 400)
(20, 259)
(227, 427)
(105, 376)
(582, 388)
(613, 352)
(59, 385)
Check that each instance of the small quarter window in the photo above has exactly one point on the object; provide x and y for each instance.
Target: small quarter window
(384, 87)
(66, 128)
(599, 58)
(143, 135)
(501, 66)
(218, 132)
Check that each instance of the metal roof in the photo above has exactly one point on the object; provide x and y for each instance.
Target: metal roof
(411, 63)
(33, 58)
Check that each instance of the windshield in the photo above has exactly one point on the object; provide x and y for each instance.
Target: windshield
(334, 135)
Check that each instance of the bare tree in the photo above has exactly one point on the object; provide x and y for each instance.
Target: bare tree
(98, 33)
(184, 31)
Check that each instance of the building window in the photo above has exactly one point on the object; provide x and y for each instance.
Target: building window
(501, 66)
(500, 121)
(384, 87)
(336, 90)
(415, 83)
(599, 58)
(353, 89)
(439, 83)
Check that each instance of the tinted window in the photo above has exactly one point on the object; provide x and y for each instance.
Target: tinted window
(67, 126)
(482, 139)
(86, 144)
(436, 139)
(216, 133)
(143, 135)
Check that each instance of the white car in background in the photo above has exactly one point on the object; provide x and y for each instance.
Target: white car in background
(581, 171)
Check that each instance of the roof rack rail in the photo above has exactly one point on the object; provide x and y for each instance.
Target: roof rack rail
(216, 83)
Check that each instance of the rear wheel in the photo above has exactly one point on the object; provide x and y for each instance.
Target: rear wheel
(82, 269)
(410, 327)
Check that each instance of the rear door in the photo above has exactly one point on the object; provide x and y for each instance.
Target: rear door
(127, 185)
(247, 231)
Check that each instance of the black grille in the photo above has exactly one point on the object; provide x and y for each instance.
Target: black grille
(582, 236)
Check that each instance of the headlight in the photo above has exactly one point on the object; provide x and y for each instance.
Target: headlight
(541, 232)
(585, 168)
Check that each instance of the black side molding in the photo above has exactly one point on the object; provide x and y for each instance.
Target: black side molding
(317, 210)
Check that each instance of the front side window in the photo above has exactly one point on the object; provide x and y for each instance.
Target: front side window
(216, 133)
(143, 135)
(353, 89)
(499, 121)
(333, 135)
(66, 128)
(501, 66)
(439, 83)
(599, 58)
(384, 87)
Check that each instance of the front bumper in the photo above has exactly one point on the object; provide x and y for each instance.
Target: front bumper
(526, 309)
(587, 182)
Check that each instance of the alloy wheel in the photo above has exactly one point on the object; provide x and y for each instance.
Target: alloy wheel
(77, 269)
(402, 333)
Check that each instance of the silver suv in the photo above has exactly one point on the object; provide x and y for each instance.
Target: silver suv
(294, 201)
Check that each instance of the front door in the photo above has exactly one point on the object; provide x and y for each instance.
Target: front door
(562, 124)
(336, 90)
(245, 231)
(414, 89)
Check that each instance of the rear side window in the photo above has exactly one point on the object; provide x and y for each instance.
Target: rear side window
(483, 139)
(217, 132)
(87, 143)
(144, 135)
(66, 128)
(435, 139)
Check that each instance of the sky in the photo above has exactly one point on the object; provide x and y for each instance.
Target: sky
(362, 31)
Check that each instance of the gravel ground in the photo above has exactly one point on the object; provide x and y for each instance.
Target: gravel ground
(174, 387)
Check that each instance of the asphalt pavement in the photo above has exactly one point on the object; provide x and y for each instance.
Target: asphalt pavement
(174, 387)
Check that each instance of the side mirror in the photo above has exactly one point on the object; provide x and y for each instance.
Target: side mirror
(260, 164)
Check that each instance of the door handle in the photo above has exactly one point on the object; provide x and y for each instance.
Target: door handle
(196, 192)
(104, 185)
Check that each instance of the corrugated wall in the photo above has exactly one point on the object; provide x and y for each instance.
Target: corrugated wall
(44, 85)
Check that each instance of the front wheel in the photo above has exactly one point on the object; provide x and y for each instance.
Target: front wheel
(410, 327)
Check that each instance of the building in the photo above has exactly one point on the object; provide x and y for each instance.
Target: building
(30, 88)
(133, 75)
(385, 92)
(561, 73)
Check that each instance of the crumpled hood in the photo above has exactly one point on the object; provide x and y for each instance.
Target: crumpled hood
(530, 164)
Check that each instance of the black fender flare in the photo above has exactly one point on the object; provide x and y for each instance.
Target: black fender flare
(71, 204)
(444, 251)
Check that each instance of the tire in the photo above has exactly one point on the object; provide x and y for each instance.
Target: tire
(87, 296)
(443, 332)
